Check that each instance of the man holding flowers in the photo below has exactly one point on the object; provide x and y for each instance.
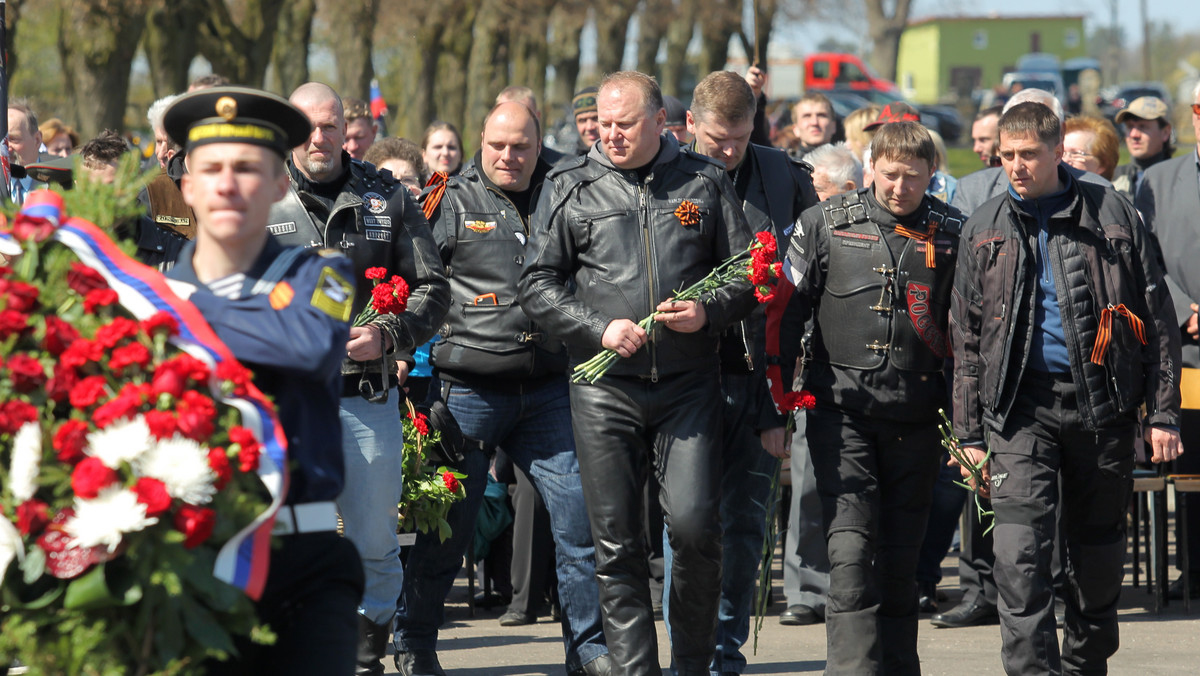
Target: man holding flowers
(615, 232)
(873, 268)
(336, 201)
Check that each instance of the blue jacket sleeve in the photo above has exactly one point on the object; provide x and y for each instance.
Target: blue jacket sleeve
(299, 337)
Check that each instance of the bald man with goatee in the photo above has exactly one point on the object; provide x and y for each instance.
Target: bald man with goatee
(504, 380)
(335, 202)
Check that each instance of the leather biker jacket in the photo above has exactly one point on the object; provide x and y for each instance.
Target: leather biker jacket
(622, 244)
(1105, 264)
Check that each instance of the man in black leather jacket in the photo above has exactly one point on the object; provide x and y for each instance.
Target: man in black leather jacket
(774, 189)
(874, 269)
(341, 203)
(615, 231)
(1062, 327)
(505, 383)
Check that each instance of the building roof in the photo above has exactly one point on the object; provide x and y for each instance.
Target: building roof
(991, 17)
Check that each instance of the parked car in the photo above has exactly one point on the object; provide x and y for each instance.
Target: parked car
(1113, 99)
(1022, 79)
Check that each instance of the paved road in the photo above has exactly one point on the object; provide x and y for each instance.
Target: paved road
(1150, 644)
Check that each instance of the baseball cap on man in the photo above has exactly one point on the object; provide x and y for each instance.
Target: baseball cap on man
(896, 111)
(1145, 107)
(676, 113)
(584, 101)
(236, 115)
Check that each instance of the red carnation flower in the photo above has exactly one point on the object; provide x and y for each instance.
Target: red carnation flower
(98, 298)
(383, 299)
(776, 270)
(12, 322)
(764, 294)
(21, 297)
(161, 423)
(153, 494)
(234, 377)
(196, 524)
(375, 273)
(420, 422)
(450, 480)
(69, 441)
(27, 373)
(800, 400)
(133, 354)
(759, 273)
(115, 331)
(90, 477)
(81, 352)
(197, 416)
(123, 406)
(161, 321)
(218, 461)
(767, 240)
(249, 449)
(84, 280)
(14, 414)
(87, 391)
(32, 516)
(27, 227)
(59, 335)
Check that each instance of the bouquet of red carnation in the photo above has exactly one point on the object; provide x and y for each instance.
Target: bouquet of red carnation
(125, 470)
(429, 492)
(388, 296)
(756, 263)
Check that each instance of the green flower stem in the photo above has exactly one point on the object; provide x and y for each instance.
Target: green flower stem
(950, 442)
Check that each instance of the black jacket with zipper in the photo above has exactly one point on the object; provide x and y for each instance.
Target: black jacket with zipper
(483, 239)
(622, 244)
(1102, 258)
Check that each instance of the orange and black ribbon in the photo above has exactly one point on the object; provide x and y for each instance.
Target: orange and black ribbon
(927, 238)
(1104, 333)
(434, 197)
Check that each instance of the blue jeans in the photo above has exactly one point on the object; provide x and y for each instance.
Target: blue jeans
(746, 502)
(533, 426)
(372, 441)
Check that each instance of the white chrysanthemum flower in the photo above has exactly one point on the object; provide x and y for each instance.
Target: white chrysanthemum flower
(122, 441)
(105, 519)
(182, 465)
(11, 546)
(26, 460)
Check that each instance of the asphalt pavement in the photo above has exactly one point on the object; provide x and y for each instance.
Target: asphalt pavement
(1151, 644)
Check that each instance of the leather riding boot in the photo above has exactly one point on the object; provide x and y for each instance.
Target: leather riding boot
(372, 644)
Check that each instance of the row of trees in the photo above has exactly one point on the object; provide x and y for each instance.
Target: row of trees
(434, 60)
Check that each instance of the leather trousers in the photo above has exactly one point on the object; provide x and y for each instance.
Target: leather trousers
(624, 428)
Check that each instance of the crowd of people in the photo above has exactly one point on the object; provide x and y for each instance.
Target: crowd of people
(1045, 300)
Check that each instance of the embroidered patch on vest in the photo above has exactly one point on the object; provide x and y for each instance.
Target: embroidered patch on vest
(375, 202)
(377, 221)
(856, 235)
(378, 234)
(172, 220)
(282, 228)
(919, 312)
(480, 226)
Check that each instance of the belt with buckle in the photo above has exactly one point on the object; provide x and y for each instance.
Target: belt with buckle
(308, 517)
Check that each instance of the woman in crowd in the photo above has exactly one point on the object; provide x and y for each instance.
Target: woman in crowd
(1091, 144)
(60, 139)
(442, 148)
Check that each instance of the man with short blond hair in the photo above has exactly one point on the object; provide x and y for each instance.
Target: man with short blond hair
(360, 128)
(813, 125)
(774, 189)
(612, 237)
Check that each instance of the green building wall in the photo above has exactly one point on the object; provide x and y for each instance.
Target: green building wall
(980, 50)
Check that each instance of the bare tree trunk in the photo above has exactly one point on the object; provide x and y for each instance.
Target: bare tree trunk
(170, 44)
(292, 39)
(239, 52)
(612, 25)
(719, 19)
(884, 30)
(653, 20)
(566, 23)
(350, 23)
(454, 51)
(12, 21)
(529, 50)
(97, 40)
(679, 34)
(487, 73)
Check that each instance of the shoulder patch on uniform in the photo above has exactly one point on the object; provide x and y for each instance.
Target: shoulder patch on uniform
(281, 296)
(333, 295)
